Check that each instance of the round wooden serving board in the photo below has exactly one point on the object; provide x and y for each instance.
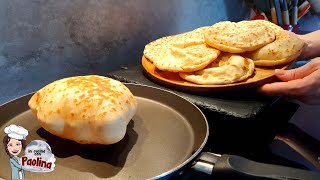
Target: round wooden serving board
(262, 75)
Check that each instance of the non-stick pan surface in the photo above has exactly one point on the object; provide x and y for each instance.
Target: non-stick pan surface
(165, 134)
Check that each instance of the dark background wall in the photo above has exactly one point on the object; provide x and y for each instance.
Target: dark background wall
(45, 40)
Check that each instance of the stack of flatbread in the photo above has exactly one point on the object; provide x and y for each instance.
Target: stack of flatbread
(224, 53)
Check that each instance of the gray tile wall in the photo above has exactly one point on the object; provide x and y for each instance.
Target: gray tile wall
(45, 40)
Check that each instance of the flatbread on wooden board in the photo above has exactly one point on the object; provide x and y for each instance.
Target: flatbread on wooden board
(194, 37)
(186, 52)
(224, 53)
(226, 69)
(238, 37)
(286, 48)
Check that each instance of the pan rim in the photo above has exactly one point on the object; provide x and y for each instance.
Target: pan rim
(197, 152)
(17, 98)
(171, 171)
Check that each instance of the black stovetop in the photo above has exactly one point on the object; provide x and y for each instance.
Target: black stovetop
(230, 135)
(243, 126)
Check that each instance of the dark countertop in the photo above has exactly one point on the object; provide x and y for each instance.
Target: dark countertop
(235, 122)
(235, 104)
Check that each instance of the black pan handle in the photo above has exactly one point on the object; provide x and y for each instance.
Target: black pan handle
(236, 167)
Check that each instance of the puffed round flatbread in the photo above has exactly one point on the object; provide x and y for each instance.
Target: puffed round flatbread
(187, 59)
(152, 49)
(186, 52)
(194, 37)
(286, 48)
(87, 109)
(277, 29)
(226, 69)
(238, 37)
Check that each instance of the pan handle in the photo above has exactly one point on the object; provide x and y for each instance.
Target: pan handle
(228, 166)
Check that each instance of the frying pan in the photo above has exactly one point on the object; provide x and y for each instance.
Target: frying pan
(166, 136)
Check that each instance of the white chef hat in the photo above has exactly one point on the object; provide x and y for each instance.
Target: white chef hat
(16, 132)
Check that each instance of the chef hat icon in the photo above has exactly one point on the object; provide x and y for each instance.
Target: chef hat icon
(16, 132)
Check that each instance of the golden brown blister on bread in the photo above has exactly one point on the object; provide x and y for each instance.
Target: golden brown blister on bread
(238, 37)
(285, 49)
(226, 69)
(86, 109)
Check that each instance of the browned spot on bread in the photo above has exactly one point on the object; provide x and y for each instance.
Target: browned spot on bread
(37, 97)
(113, 101)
